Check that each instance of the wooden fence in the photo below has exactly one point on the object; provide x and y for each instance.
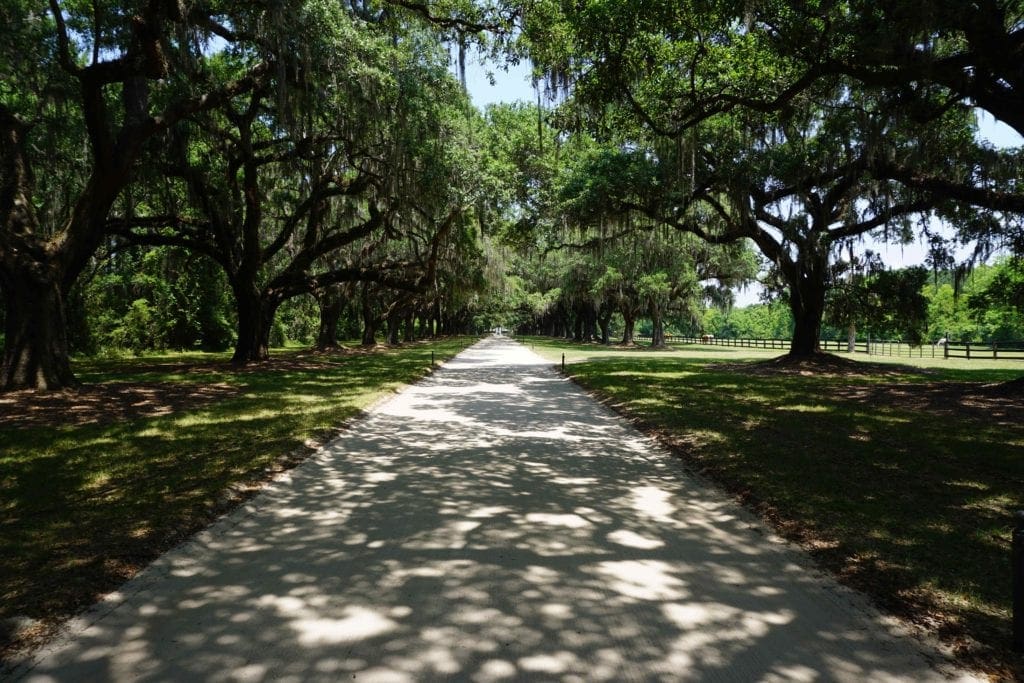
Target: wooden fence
(967, 350)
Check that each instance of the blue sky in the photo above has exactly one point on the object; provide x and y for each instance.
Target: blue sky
(509, 86)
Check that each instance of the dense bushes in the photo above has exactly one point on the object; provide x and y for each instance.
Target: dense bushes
(166, 298)
(163, 298)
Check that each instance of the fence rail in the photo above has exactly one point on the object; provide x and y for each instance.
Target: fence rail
(967, 350)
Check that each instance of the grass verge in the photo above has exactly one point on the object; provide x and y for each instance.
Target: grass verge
(94, 486)
(901, 479)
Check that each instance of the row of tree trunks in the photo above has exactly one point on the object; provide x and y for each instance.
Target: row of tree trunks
(256, 313)
(402, 320)
(370, 319)
(402, 324)
(585, 322)
(807, 303)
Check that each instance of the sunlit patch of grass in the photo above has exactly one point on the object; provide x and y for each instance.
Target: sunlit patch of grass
(80, 504)
(912, 505)
(965, 483)
(994, 505)
(706, 437)
(803, 408)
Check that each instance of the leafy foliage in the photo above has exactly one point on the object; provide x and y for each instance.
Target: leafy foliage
(732, 120)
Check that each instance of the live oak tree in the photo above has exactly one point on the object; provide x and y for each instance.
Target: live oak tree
(253, 215)
(678, 64)
(731, 138)
(647, 267)
(927, 56)
(797, 187)
(349, 154)
(83, 89)
(118, 77)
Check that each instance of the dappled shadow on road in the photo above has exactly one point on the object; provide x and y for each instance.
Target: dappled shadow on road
(490, 524)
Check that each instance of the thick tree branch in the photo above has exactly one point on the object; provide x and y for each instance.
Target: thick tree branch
(943, 188)
(450, 22)
(191, 240)
(64, 56)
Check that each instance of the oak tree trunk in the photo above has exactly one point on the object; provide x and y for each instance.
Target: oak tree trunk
(268, 314)
(629, 321)
(393, 337)
(657, 332)
(332, 305)
(807, 304)
(370, 320)
(35, 333)
(604, 320)
(253, 343)
(589, 314)
(410, 327)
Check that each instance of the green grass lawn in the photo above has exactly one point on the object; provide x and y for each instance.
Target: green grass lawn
(82, 507)
(901, 490)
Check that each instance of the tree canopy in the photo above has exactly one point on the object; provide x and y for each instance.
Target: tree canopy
(763, 121)
(221, 168)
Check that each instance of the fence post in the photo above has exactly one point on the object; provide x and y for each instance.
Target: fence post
(945, 347)
(563, 362)
(968, 350)
(995, 352)
(1018, 582)
(431, 359)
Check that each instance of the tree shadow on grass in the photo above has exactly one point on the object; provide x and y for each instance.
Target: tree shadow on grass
(106, 403)
(488, 525)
